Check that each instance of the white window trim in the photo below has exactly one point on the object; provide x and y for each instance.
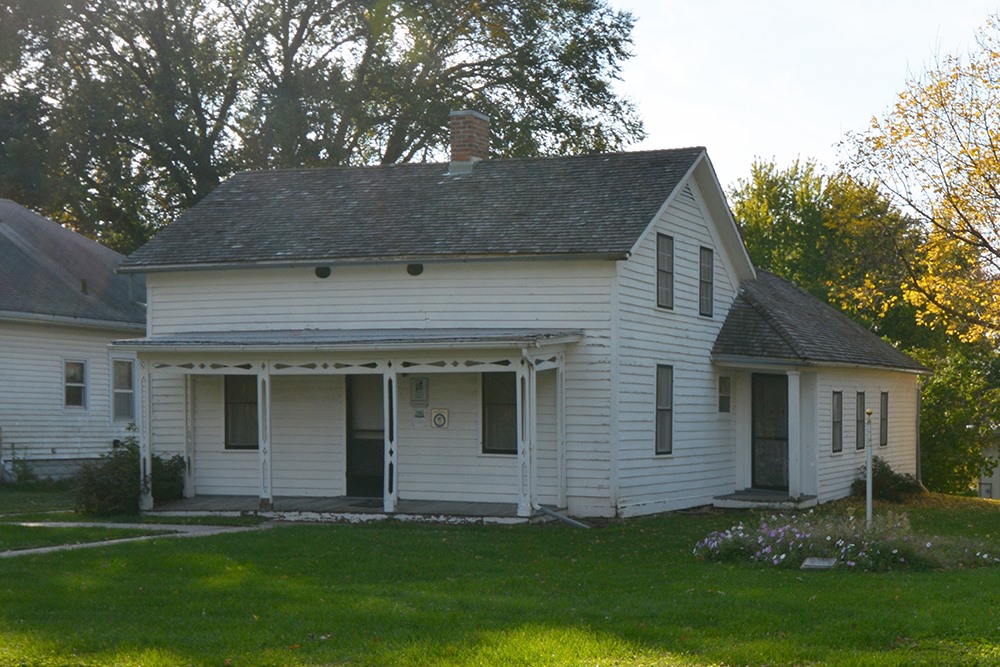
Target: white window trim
(112, 390)
(85, 385)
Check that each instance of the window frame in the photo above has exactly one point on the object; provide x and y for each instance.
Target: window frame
(706, 281)
(485, 402)
(725, 385)
(230, 405)
(883, 419)
(837, 422)
(859, 417)
(81, 385)
(665, 271)
(663, 444)
(116, 391)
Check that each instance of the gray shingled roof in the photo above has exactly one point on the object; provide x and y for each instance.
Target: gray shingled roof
(773, 319)
(43, 266)
(581, 205)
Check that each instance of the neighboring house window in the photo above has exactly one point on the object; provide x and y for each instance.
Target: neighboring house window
(706, 282)
(664, 409)
(122, 390)
(75, 384)
(499, 413)
(664, 271)
(883, 420)
(838, 421)
(860, 422)
(725, 393)
(241, 412)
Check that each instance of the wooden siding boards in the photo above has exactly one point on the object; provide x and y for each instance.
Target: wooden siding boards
(702, 464)
(35, 423)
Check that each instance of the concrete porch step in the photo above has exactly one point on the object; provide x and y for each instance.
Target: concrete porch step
(763, 499)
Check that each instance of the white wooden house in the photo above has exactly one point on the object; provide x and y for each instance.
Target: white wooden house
(64, 396)
(552, 332)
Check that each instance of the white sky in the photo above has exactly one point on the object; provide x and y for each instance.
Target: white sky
(781, 79)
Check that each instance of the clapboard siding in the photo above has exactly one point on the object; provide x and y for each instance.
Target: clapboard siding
(703, 462)
(34, 423)
(308, 435)
(218, 470)
(557, 295)
(837, 470)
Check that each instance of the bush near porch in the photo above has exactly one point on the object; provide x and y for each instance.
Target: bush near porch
(626, 593)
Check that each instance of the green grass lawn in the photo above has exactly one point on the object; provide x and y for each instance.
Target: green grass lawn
(14, 537)
(403, 594)
(41, 497)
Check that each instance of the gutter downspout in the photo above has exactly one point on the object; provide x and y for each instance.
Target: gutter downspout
(560, 517)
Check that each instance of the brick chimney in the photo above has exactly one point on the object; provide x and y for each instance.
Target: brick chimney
(470, 139)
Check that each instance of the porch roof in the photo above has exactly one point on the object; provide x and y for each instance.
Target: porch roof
(350, 340)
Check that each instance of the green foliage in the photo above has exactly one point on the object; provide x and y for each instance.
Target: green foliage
(887, 484)
(148, 106)
(960, 404)
(110, 486)
(168, 478)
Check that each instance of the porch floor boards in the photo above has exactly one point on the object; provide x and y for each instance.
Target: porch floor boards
(334, 508)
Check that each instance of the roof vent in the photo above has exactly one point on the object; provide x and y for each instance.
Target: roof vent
(470, 140)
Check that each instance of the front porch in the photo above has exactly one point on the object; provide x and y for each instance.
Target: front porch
(343, 509)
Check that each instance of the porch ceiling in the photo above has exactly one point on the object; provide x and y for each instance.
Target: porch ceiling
(351, 340)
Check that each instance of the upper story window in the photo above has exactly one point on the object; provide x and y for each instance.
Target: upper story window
(241, 412)
(725, 393)
(706, 282)
(75, 384)
(664, 271)
(122, 390)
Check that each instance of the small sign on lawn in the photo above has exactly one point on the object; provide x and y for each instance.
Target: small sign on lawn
(819, 563)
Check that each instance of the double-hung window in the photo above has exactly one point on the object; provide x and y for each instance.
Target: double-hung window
(122, 390)
(500, 413)
(883, 419)
(859, 425)
(75, 384)
(706, 282)
(241, 412)
(664, 271)
(664, 409)
(837, 409)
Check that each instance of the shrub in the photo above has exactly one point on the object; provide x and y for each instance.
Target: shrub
(110, 486)
(887, 484)
(168, 478)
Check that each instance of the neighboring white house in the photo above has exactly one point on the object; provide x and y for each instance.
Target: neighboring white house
(64, 396)
(555, 332)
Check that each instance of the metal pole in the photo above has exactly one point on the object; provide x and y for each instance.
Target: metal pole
(868, 468)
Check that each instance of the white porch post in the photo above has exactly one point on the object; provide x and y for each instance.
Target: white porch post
(264, 434)
(189, 421)
(561, 432)
(390, 493)
(794, 435)
(145, 437)
(525, 437)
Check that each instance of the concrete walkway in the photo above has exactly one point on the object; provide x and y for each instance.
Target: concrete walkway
(175, 530)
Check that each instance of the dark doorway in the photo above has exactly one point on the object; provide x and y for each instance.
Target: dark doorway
(769, 448)
(365, 436)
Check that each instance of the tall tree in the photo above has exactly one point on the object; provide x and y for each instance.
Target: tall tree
(154, 101)
(937, 152)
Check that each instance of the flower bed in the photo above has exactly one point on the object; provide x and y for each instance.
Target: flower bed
(780, 540)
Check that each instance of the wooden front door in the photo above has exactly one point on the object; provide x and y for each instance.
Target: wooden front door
(365, 436)
(769, 447)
